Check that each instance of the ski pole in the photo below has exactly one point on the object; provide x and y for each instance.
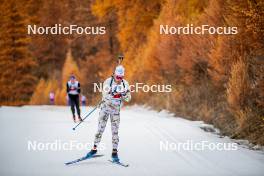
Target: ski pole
(87, 115)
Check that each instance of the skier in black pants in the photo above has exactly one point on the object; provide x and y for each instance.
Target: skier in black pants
(73, 91)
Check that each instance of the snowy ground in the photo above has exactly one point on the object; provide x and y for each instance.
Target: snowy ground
(141, 132)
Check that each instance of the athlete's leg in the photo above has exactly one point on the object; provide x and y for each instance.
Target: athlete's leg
(72, 102)
(103, 117)
(115, 120)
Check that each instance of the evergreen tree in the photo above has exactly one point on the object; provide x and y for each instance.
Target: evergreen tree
(16, 63)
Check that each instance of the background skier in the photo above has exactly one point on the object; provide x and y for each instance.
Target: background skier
(73, 91)
(115, 91)
(52, 98)
(83, 100)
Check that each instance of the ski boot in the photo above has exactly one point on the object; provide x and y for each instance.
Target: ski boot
(73, 117)
(91, 153)
(80, 119)
(115, 156)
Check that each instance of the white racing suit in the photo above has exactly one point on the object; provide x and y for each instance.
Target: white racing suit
(113, 96)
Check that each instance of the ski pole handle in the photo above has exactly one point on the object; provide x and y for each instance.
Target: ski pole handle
(120, 58)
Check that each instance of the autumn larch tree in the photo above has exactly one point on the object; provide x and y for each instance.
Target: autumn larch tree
(17, 80)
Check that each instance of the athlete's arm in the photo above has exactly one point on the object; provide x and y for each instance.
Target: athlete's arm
(67, 88)
(127, 96)
(79, 88)
(106, 89)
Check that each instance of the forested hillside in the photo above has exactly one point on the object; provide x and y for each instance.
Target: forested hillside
(214, 78)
